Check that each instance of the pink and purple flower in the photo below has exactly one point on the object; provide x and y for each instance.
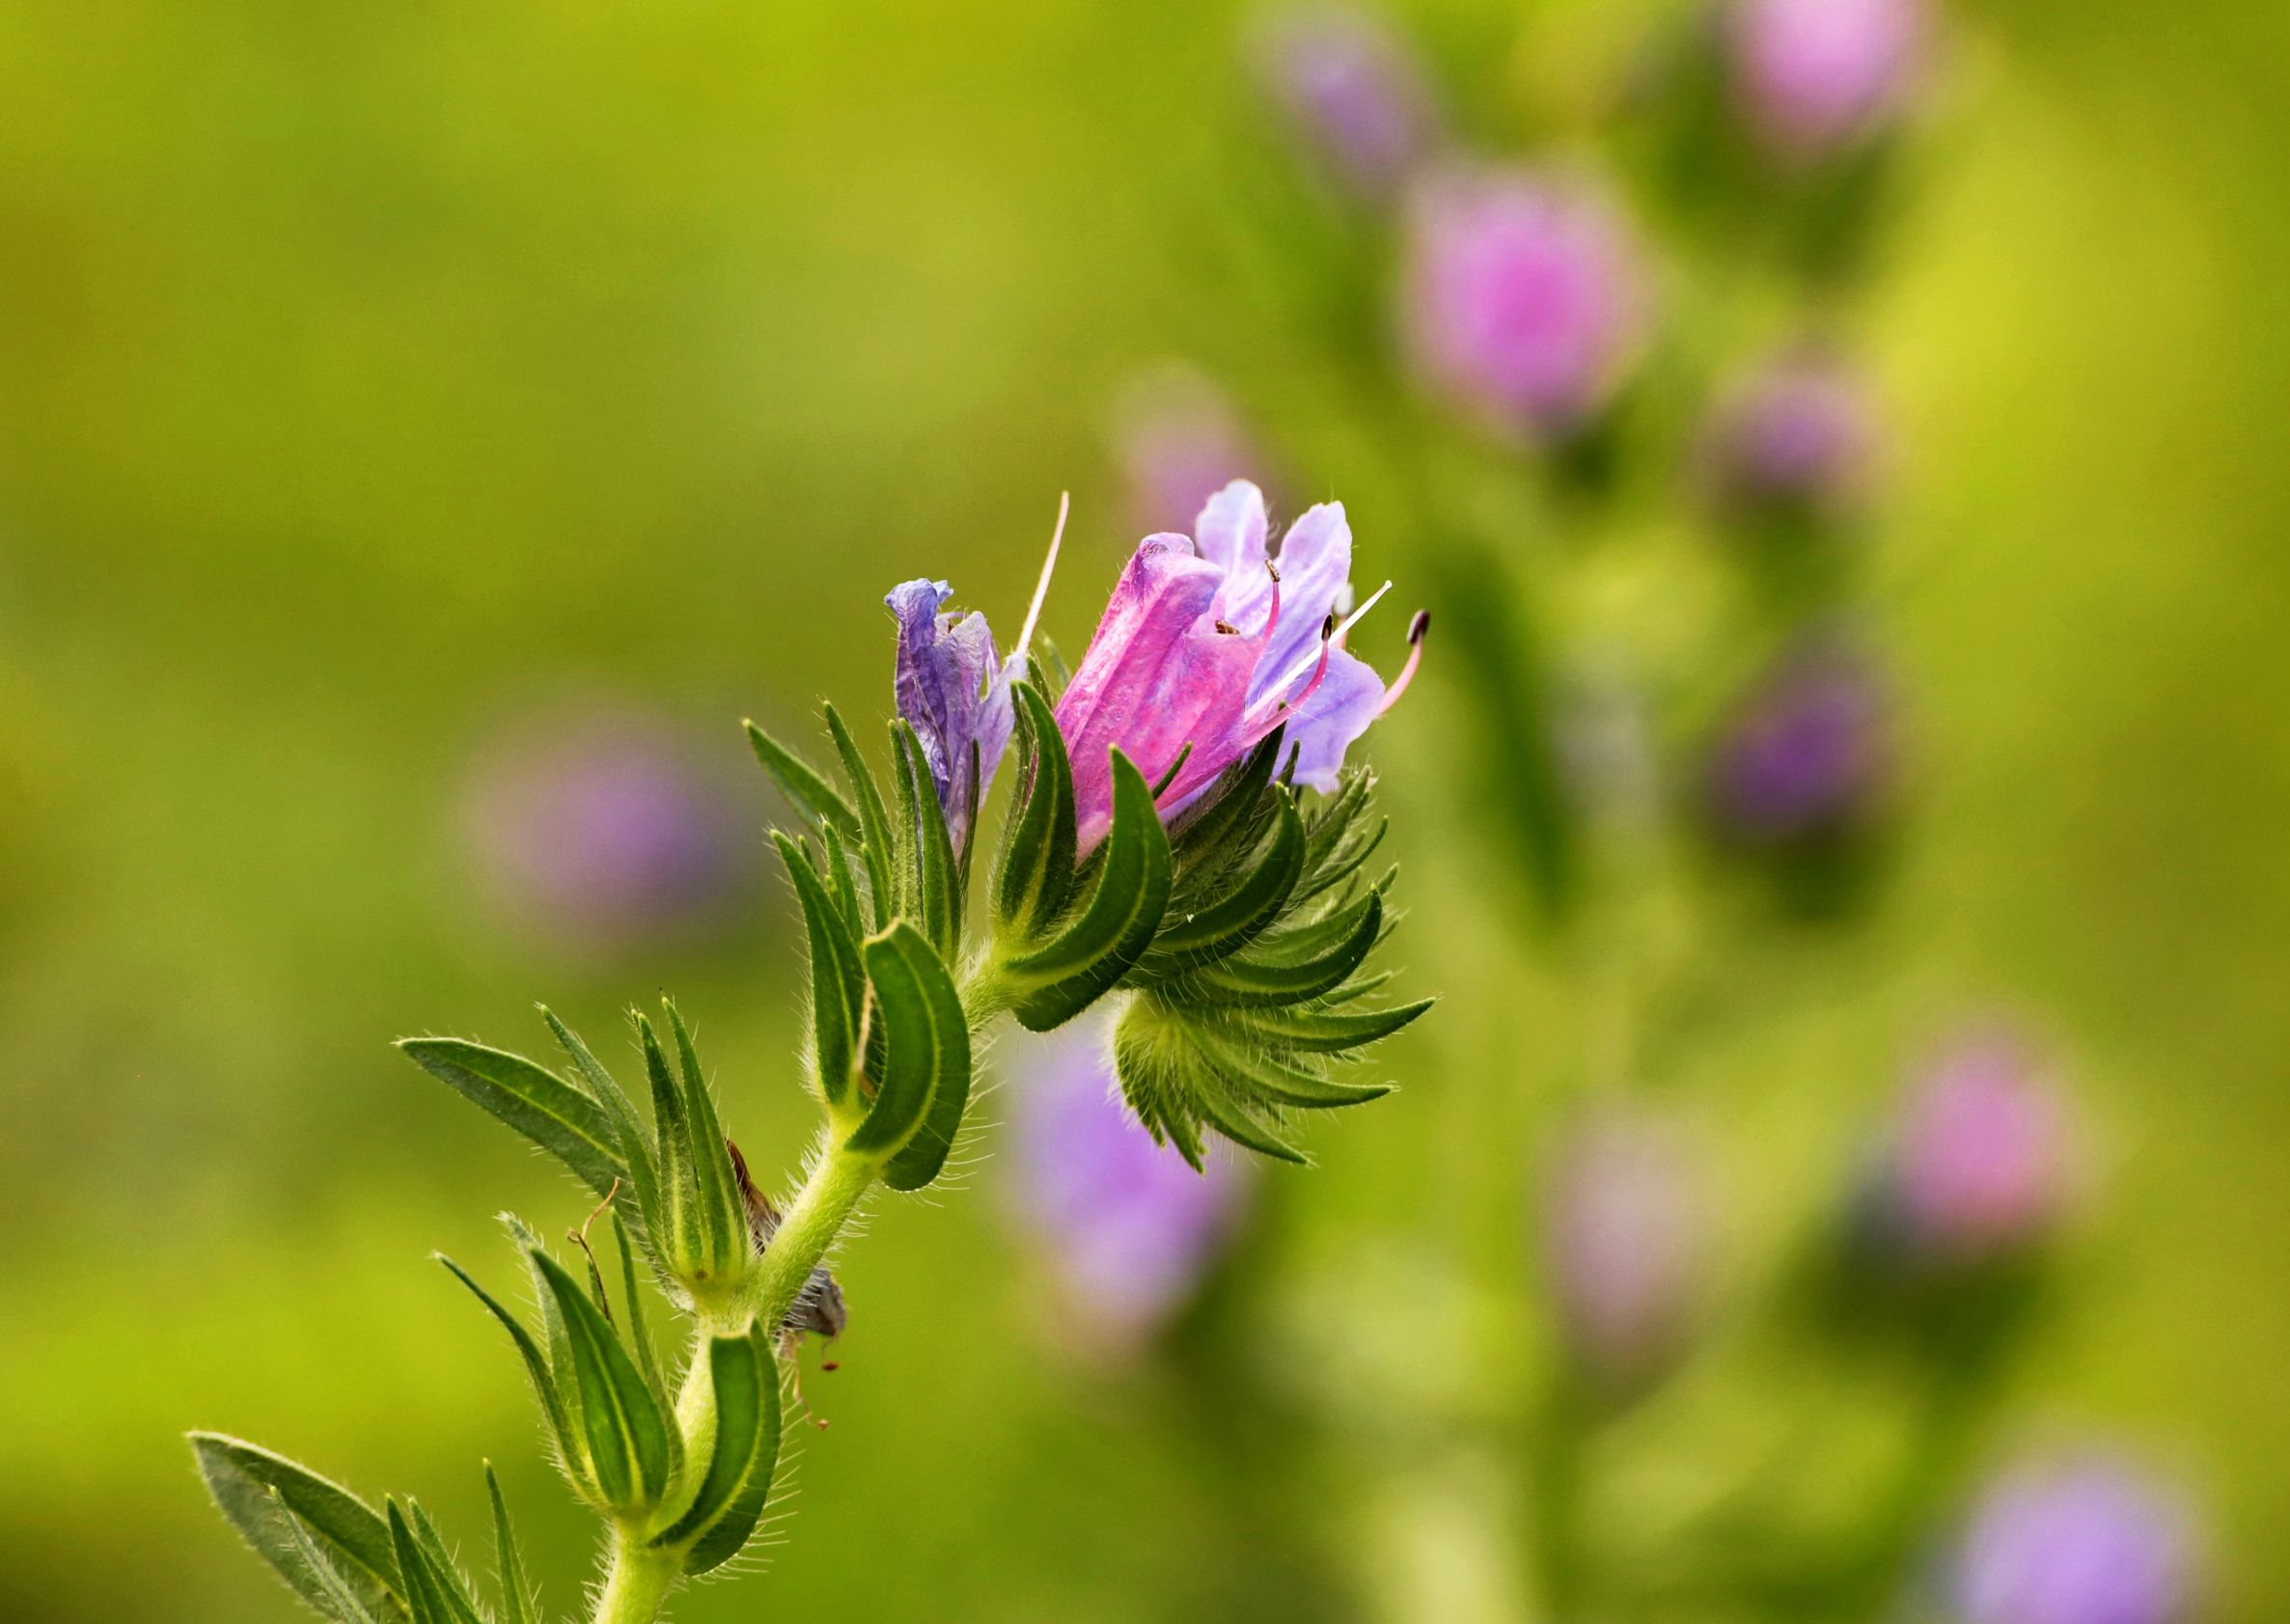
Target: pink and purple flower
(1209, 644)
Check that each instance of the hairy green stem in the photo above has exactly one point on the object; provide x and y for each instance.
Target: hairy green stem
(635, 1582)
(838, 1180)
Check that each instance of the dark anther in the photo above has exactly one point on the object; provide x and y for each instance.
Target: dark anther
(1417, 627)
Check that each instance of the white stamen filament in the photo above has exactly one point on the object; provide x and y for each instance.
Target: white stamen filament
(1041, 587)
(1334, 640)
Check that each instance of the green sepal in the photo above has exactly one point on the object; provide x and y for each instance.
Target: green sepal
(808, 792)
(1243, 909)
(931, 875)
(571, 1456)
(562, 1120)
(703, 1238)
(265, 1496)
(518, 1603)
(874, 823)
(923, 1086)
(1059, 981)
(837, 977)
(1175, 1089)
(1034, 876)
(632, 1441)
(737, 1483)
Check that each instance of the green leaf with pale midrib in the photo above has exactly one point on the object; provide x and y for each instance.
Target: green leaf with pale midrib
(550, 1112)
(737, 1483)
(255, 1488)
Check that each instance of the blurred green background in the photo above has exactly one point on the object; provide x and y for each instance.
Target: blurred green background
(369, 376)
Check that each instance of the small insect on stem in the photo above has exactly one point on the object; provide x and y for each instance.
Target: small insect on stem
(819, 1307)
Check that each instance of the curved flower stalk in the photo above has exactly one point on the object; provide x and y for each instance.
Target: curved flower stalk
(1228, 918)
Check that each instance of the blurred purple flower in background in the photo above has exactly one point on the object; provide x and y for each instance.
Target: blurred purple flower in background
(1799, 433)
(1354, 90)
(1178, 441)
(1813, 76)
(1524, 297)
(954, 694)
(2089, 1541)
(1809, 754)
(1128, 1228)
(1982, 1157)
(599, 828)
(1625, 1219)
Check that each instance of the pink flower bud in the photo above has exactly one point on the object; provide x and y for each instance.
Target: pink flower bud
(1814, 75)
(1982, 1162)
(1625, 1215)
(1354, 92)
(1524, 298)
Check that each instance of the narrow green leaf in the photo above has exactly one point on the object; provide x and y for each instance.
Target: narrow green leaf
(1231, 812)
(724, 1213)
(841, 883)
(837, 977)
(1249, 980)
(923, 1156)
(518, 1604)
(811, 794)
(875, 822)
(545, 1389)
(445, 1573)
(263, 1496)
(640, 1198)
(1245, 1127)
(1320, 1030)
(553, 1336)
(1246, 910)
(1292, 1086)
(335, 1599)
(1113, 931)
(913, 1057)
(1035, 873)
(424, 1592)
(628, 1434)
(737, 1483)
(684, 1243)
(538, 1104)
(638, 1334)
